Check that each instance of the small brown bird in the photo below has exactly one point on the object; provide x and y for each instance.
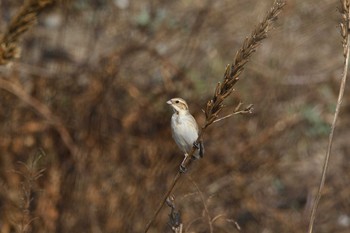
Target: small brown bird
(184, 128)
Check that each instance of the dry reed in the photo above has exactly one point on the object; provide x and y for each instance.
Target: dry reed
(224, 89)
(22, 22)
(344, 32)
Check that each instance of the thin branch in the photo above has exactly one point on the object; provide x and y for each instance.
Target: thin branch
(210, 223)
(191, 223)
(247, 110)
(344, 25)
(238, 227)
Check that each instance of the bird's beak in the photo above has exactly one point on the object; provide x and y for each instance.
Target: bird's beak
(169, 102)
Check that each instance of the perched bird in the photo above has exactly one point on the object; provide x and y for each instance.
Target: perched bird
(184, 128)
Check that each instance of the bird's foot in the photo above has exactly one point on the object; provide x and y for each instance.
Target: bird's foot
(199, 146)
(182, 169)
(196, 145)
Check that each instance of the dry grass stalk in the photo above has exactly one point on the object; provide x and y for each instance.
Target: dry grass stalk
(206, 210)
(222, 91)
(344, 31)
(233, 71)
(21, 23)
(30, 176)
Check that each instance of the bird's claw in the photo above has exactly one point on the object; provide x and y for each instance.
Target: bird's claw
(199, 146)
(196, 145)
(183, 169)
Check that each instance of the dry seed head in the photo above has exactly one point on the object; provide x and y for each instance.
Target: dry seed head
(233, 71)
(344, 25)
(25, 18)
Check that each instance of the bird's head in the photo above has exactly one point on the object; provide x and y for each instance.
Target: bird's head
(178, 105)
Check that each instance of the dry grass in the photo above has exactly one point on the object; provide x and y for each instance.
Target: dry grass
(29, 173)
(345, 27)
(233, 71)
(96, 75)
(21, 23)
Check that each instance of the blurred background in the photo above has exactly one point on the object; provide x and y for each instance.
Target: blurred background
(85, 135)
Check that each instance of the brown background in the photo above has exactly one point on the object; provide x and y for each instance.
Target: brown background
(101, 71)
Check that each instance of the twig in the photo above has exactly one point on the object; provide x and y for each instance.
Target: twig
(344, 25)
(189, 225)
(210, 222)
(247, 110)
(238, 227)
(231, 76)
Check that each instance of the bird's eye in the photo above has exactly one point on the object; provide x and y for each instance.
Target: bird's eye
(177, 101)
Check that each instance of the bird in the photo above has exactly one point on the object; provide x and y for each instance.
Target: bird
(184, 129)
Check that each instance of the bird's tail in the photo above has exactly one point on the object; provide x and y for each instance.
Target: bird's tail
(201, 149)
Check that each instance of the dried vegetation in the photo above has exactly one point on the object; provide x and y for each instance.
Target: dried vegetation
(90, 87)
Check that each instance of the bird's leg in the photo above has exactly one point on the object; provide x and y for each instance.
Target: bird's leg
(183, 168)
